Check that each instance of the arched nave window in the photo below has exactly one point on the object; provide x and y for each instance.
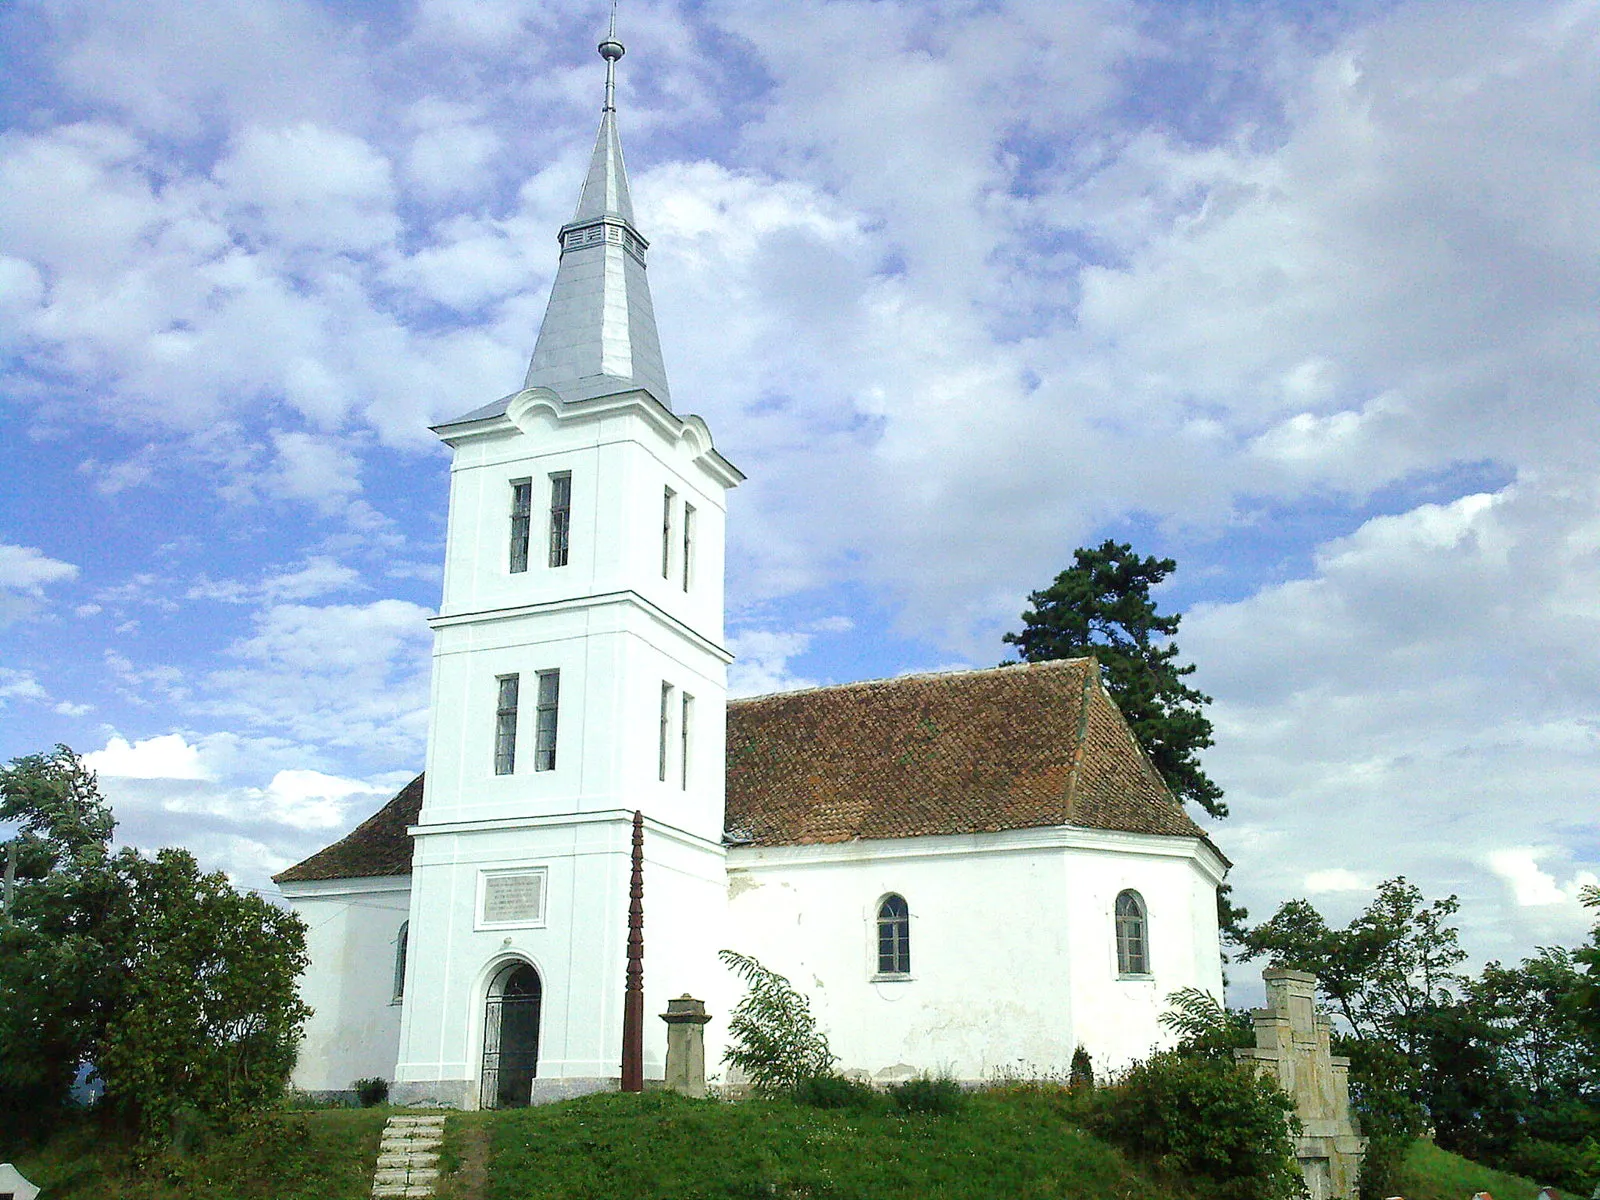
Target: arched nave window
(400, 940)
(894, 936)
(1133, 940)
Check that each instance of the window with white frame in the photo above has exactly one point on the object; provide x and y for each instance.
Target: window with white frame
(688, 543)
(505, 726)
(668, 495)
(685, 723)
(544, 726)
(400, 941)
(665, 739)
(521, 519)
(894, 936)
(1133, 935)
(560, 517)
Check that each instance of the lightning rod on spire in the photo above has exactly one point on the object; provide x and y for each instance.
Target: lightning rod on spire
(611, 50)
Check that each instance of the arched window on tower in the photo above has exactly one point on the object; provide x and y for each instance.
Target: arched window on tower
(1133, 939)
(400, 940)
(894, 936)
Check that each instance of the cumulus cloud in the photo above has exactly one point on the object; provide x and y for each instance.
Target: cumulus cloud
(167, 756)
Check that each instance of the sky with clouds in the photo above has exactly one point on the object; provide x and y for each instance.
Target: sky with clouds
(1306, 296)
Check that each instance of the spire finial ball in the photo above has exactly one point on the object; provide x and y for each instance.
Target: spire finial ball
(611, 50)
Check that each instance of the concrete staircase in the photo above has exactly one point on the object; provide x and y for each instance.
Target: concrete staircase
(408, 1157)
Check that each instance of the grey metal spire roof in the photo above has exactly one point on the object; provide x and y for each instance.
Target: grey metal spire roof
(599, 332)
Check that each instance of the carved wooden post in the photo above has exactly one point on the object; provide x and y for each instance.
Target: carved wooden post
(633, 993)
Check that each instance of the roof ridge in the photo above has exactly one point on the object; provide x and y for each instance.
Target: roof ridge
(913, 676)
(1091, 683)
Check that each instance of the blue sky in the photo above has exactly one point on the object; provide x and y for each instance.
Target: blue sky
(1303, 296)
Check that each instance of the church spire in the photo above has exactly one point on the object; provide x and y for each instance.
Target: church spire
(599, 332)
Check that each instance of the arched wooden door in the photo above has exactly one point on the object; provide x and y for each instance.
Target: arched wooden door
(511, 1038)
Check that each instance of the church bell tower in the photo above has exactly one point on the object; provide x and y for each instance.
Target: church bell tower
(579, 676)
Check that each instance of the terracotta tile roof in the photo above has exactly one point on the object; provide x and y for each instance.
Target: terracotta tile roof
(960, 752)
(377, 846)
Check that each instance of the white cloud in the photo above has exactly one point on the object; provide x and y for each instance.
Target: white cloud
(26, 569)
(1530, 884)
(19, 685)
(761, 662)
(167, 756)
(1336, 879)
(353, 676)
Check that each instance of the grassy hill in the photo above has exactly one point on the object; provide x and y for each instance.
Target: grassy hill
(1013, 1143)
(1430, 1173)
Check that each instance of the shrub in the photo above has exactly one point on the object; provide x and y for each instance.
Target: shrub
(1080, 1075)
(837, 1091)
(1212, 1122)
(371, 1092)
(938, 1095)
(774, 1038)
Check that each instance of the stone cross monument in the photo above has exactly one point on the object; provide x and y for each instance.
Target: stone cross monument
(1292, 1047)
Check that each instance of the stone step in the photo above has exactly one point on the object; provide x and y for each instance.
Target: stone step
(411, 1158)
(401, 1189)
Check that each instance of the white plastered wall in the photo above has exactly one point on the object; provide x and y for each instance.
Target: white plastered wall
(352, 927)
(1012, 944)
(579, 948)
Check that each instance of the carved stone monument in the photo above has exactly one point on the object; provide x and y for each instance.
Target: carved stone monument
(1293, 1047)
(686, 1045)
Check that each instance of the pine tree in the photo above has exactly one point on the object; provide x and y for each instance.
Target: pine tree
(1101, 605)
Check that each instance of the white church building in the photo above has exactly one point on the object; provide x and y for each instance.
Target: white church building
(974, 872)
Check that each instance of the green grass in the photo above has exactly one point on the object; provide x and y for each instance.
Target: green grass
(281, 1156)
(1017, 1144)
(1430, 1173)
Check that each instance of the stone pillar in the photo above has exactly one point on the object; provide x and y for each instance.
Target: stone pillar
(1293, 1048)
(686, 1045)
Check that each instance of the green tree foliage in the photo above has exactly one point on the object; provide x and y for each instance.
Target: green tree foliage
(1228, 1133)
(1101, 605)
(1386, 972)
(1204, 1027)
(773, 1037)
(1502, 1066)
(209, 1018)
(177, 988)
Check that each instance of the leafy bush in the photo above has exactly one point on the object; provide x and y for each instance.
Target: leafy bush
(371, 1092)
(838, 1091)
(774, 1038)
(938, 1095)
(1214, 1123)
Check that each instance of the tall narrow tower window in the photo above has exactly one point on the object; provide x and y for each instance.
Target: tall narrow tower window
(521, 512)
(560, 516)
(685, 723)
(505, 727)
(666, 731)
(666, 534)
(688, 542)
(544, 727)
